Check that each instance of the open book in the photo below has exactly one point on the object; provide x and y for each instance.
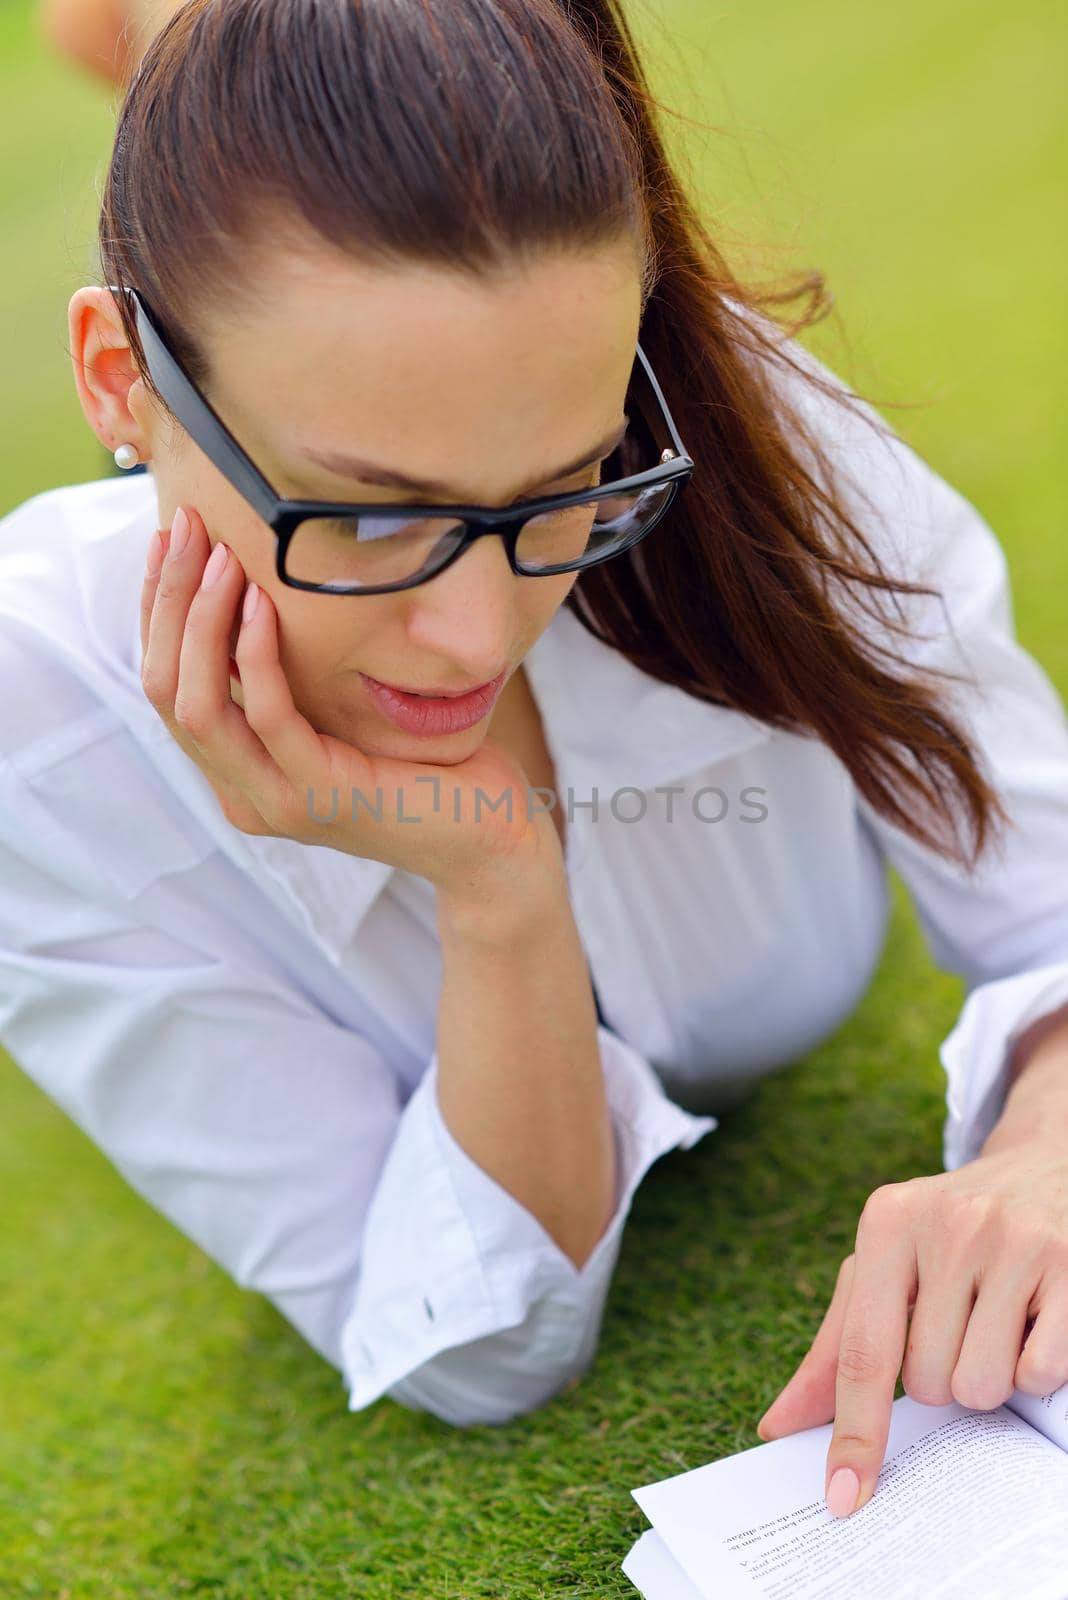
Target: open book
(970, 1505)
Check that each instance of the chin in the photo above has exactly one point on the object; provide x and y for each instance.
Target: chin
(443, 752)
(448, 750)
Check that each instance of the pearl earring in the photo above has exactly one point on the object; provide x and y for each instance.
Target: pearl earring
(126, 455)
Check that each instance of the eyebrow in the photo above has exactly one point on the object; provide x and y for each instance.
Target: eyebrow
(387, 478)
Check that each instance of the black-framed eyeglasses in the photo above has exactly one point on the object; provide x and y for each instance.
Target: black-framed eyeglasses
(342, 547)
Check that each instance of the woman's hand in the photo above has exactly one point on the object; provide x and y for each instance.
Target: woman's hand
(977, 1255)
(274, 774)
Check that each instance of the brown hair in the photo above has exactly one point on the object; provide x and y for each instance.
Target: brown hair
(471, 136)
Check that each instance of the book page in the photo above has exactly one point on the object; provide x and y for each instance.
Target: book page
(655, 1573)
(968, 1503)
(1047, 1412)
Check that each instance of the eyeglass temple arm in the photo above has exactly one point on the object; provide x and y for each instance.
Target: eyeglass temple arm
(204, 425)
(660, 408)
(199, 418)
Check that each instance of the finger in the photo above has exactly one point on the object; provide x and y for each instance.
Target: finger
(808, 1398)
(174, 591)
(982, 1377)
(203, 707)
(1043, 1366)
(171, 594)
(944, 1301)
(154, 556)
(870, 1354)
(298, 751)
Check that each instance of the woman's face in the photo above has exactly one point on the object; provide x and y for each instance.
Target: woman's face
(483, 388)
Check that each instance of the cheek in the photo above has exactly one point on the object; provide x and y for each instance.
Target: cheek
(539, 608)
(557, 590)
(189, 478)
(225, 515)
(321, 638)
(228, 518)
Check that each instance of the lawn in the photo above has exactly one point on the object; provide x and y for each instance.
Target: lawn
(165, 1433)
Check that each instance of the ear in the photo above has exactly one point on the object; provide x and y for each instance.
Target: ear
(112, 393)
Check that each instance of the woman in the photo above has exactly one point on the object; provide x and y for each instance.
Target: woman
(312, 959)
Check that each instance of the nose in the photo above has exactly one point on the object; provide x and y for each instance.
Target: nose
(466, 616)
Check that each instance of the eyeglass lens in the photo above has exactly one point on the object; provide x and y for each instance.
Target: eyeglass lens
(383, 547)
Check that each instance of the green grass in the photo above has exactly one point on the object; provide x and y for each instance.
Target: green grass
(165, 1433)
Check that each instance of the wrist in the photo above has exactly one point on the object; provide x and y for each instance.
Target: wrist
(1036, 1104)
(505, 899)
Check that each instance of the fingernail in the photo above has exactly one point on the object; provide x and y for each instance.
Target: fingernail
(154, 560)
(842, 1492)
(216, 566)
(179, 532)
(252, 595)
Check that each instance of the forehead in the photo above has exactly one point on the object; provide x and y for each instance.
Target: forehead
(459, 379)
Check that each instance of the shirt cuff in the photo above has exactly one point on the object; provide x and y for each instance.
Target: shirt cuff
(451, 1256)
(976, 1053)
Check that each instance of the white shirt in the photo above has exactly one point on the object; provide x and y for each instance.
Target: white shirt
(245, 1026)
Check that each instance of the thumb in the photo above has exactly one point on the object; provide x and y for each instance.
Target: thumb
(810, 1396)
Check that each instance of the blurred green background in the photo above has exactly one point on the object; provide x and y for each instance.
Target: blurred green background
(165, 1433)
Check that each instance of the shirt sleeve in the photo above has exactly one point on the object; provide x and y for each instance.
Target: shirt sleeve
(1004, 926)
(276, 1139)
(493, 1291)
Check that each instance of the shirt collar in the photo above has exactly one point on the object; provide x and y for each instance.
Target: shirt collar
(607, 725)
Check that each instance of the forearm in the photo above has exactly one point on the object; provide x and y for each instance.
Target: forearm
(1037, 1102)
(519, 1073)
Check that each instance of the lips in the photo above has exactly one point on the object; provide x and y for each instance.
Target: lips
(434, 715)
(442, 694)
(438, 694)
